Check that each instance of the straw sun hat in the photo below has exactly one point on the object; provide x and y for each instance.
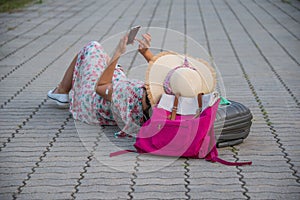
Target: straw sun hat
(172, 73)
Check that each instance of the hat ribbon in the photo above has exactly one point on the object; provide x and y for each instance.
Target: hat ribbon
(166, 85)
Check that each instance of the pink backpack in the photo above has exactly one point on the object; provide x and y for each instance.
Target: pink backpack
(169, 134)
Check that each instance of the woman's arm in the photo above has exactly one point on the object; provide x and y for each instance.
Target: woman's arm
(144, 45)
(103, 87)
(107, 75)
(147, 54)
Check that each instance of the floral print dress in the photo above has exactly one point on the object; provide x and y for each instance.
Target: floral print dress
(125, 109)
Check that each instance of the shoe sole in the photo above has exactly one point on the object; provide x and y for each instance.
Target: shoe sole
(59, 103)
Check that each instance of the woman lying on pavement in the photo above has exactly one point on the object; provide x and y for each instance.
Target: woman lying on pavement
(97, 91)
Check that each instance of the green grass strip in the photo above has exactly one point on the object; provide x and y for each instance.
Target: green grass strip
(12, 5)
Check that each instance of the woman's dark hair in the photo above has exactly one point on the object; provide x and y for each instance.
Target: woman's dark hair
(146, 111)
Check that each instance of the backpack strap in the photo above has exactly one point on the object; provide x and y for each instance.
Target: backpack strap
(224, 162)
(199, 110)
(174, 109)
(213, 157)
(121, 152)
(200, 100)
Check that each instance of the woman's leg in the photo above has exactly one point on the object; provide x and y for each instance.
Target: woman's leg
(65, 85)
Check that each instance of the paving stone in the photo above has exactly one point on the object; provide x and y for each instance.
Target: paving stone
(47, 189)
(5, 196)
(159, 174)
(104, 188)
(56, 175)
(264, 174)
(211, 181)
(162, 181)
(102, 195)
(210, 194)
(46, 195)
(159, 195)
(274, 195)
(276, 189)
(106, 181)
(51, 182)
(271, 181)
(216, 188)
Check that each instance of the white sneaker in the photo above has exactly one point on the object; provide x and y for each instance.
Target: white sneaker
(62, 100)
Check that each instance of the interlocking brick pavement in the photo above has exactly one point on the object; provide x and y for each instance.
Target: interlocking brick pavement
(44, 154)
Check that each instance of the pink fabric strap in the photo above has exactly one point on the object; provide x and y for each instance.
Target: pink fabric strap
(224, 162)
(117, 153)
(215, 159)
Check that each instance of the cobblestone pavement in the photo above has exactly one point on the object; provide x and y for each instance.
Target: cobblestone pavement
(44, 154)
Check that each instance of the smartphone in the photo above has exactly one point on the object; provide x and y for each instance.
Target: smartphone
(132, 33)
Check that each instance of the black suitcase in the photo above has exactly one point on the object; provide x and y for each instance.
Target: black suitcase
(232, 124)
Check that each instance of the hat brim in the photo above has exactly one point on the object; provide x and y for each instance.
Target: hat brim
(160, 65)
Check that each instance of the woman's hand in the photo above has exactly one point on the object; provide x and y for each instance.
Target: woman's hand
(144, 44)
(121, 48)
